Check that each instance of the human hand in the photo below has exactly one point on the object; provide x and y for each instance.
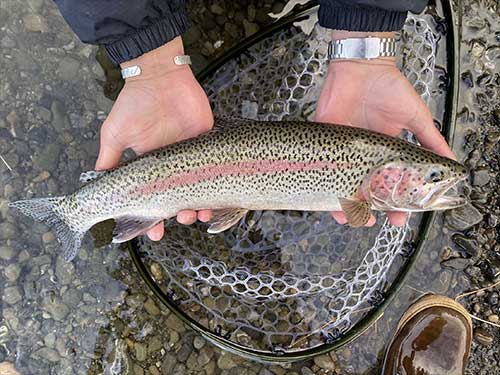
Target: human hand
(375, 95)
(163, 105)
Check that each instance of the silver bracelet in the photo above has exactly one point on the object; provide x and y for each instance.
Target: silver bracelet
(361, 48)
(134, 71)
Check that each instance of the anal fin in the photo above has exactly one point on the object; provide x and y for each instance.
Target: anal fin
(357, 212)
(225, 218)
(128, 227)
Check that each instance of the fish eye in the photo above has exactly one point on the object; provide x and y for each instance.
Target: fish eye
(435, 175)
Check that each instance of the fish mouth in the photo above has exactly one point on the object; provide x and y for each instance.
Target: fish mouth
(445, 196)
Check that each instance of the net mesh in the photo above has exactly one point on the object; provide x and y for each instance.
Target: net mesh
(284, 281)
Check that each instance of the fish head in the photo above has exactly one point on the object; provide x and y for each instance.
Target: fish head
(416, 186)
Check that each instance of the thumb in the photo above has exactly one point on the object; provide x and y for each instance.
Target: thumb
(429, 136)
(110, 150)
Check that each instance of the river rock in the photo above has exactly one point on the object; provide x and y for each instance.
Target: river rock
(55, 307)
(11, 295)
(226, 362)
(68, 69)
(35, 22)
(7, 368)
(463, 218)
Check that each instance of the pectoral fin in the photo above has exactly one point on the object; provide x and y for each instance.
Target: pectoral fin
(128, 227)
(225, 218)
(357, 212)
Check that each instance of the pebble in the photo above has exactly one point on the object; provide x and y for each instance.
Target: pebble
(43, 176)
(35, 22)
(174, 323)
(168, 363)
(7, 42)
(154, 345)
(226, 362)
(481, 177)
(493, 299)
(7, 368)
(68, 69)
(198, 342)
(47, 353)
(483, 337)
(55, 307)
(65, 271)
(140, 351)
(217, 9)
(12, 272)
(11, 295)
(191, 362)
(135, 300)
(7, 252)
(46, 158)
(50, 340)
(151, 307)
(458, 264)
(174, 338)
(232, 30)
(7, 231)
(59, 117)
(184, 352)
(250, 28)
(463, 218)
(306, 371)
(204, 356)
(493, 318)
(470, 246)
(157, 272)
(325, 362)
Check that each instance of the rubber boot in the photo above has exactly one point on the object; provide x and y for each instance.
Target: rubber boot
(433, 338)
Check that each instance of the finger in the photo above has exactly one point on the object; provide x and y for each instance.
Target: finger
(186, 217)
(371, 221)
(204, 215)
(110, 150)
(428, 135)
(339, 217)
(398, 219)
(156, 233)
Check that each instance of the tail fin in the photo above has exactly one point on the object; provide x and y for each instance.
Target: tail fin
(42, 210)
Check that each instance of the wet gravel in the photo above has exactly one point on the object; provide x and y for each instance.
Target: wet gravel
(95, 315)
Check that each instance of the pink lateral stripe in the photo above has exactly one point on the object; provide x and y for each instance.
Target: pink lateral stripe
(246, 168)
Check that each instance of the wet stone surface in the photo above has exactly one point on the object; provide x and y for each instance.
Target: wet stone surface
(96, 315)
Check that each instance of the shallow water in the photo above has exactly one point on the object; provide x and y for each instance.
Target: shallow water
(95, 315)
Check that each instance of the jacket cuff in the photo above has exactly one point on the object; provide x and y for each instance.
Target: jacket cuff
(341, 17)
(149, 38)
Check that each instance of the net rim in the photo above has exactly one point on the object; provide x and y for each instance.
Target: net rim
(450, 113)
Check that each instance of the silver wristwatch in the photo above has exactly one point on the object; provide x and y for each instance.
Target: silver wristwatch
(361, 48)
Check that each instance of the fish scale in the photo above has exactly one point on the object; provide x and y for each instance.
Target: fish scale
(240, 164)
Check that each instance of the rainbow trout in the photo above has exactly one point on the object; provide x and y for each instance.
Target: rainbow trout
(246, 165)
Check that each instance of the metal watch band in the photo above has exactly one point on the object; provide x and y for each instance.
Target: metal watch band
(361, 48)
(134, 71)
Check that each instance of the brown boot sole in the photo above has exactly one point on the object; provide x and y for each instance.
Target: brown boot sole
(429, 301)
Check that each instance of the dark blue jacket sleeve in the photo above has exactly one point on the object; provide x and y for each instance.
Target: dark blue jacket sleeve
(130, 28)
(126, 28)
(367, 15)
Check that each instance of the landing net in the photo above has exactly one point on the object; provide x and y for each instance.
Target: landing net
(285, 281)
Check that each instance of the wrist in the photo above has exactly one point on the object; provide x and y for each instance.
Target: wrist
(157, 62)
